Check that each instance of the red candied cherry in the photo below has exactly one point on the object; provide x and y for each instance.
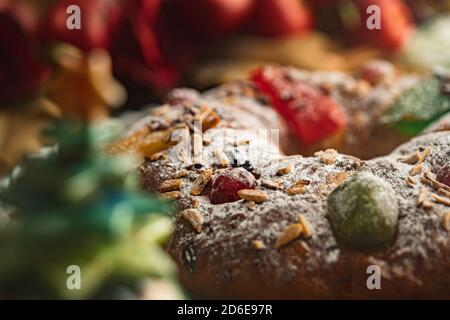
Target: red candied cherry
(225, 185)
(443, 175)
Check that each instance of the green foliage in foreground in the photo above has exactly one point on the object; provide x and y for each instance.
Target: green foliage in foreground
(76, 206)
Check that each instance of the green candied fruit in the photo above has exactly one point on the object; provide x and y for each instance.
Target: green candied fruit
(363, 212)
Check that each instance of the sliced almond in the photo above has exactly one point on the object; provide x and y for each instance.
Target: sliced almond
(172, 195)
(194, 202)
(251, 205)
(222, 158)
(270, 184)
(241, 142)
(171, 185)
(202, 180)
(298, 188)
(337, 177)
(328, 156)
(424, 155)
(422, 201)
(257, 196)
(258, 244)
(429, 180)
(441, 200)
(195, 219)
(284, 170)
(155, 142)
(413, 158)
(307, 228)
(289, 234)
(129, 142)
(197, 148)
(410, 181)
(208, 117)
(181, 174)
(444, 192)
(446, 221)
(415, 170)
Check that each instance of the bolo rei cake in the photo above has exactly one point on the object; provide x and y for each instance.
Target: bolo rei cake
(294, 184)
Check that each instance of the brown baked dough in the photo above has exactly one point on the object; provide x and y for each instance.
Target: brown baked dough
(231, 250)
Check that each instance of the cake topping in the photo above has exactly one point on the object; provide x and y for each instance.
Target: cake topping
(443, 175)
(172, 195)
(284, 170)
(259, 245)
(194, 217)
(289, 234)
(307, 228)
(429, 180)
(171, 185)
(446, 221)
(363, 212)
(298, 187)
(311, 115)
(412, 158)
(227, 183)
(415, 170)
(328, 156)
(200, 183)
(271, 184)
(257, 196)
(422, 201)
(441, 200)
(222, 159)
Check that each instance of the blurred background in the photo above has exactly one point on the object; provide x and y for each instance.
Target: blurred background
(71, 86)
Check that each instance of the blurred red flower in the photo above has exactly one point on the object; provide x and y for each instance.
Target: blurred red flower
(20, 70)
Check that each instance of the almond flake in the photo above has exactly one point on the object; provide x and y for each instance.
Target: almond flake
(446, 221)
(444, 192)
(413, 158)
(258, 244)
(222, 158)
(424, 155)
(158, 156)
(415, 170)
(257, 196)
(307, 228)
(194, 217)
(171, 185)
(289, 234)
(241, 142)
(298, 187)
(270, 184)
(441, 200)
(200, 183)
(429, 180)
(422, 201)
(197, 148)
(296, 190)
(337, 177)
(172, 195)
(284, 170)
(181, 174)
(328, 156)
(410, 181)
(251, 205)
(194, 202)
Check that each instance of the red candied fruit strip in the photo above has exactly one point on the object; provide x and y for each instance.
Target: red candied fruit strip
(310, 114)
